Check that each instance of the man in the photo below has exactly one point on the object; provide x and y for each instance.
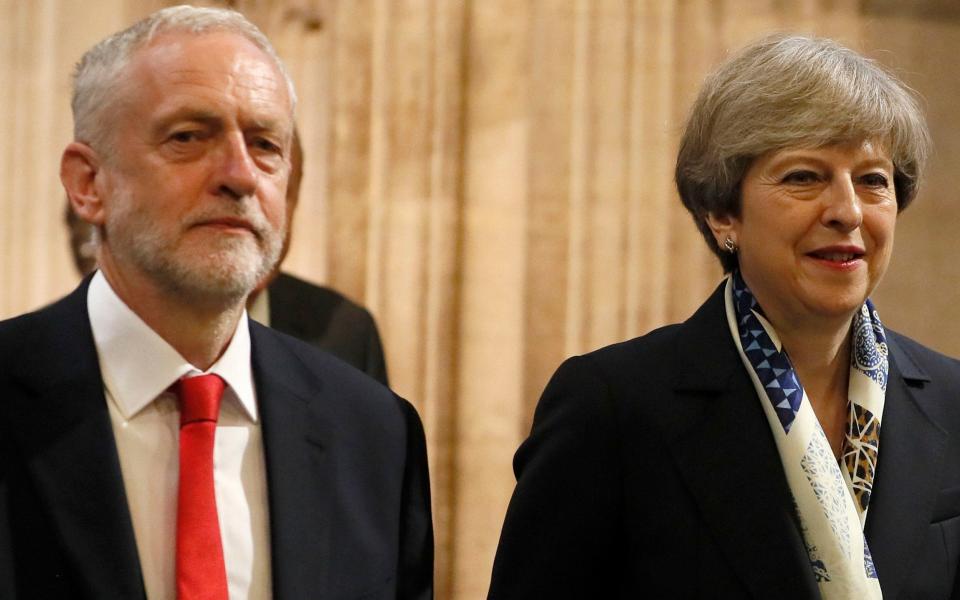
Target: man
(120, 476)
(318, 315)
(315, 314)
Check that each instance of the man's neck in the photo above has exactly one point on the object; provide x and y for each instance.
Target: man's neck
(198, 329)
(262, 286)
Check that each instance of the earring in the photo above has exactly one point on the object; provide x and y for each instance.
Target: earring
(729, 245)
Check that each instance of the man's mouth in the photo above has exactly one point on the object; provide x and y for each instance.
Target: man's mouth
(229, 224)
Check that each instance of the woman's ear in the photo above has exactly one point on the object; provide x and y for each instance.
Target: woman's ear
(724, 227)
(79, 167)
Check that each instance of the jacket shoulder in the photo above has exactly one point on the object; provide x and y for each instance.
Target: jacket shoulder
(917, 361)
(293, 291)
(692, 346)
(48, 338)
(622, 355)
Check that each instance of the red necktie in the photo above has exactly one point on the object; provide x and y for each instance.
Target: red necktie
(201, 574)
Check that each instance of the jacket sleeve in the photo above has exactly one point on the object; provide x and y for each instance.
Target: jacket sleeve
(415, 569)
(559, 539)
(7, 570)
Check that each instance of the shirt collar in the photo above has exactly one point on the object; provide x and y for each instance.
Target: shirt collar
(138, 365)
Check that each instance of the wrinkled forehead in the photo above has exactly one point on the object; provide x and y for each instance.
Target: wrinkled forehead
(218, 66)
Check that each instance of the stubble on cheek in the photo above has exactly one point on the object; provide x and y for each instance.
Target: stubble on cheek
(190, 262)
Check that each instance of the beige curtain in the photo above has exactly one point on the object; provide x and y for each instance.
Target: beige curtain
(493, 179)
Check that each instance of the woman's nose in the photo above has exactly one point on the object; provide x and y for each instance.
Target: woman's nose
(842, 207)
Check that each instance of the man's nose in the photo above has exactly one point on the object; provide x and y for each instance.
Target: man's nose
(238, 172)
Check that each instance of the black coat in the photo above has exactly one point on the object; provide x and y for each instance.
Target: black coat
(346, 471)
(328, 320)
(651, 472)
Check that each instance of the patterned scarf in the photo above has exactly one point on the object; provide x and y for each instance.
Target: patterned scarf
(831, 498)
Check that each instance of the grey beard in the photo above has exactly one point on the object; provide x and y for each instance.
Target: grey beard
(223, 274)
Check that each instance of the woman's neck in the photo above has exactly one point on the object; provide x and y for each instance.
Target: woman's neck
(822, 362)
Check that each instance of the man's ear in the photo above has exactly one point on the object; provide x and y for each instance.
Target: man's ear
(79, 167)
(724, 227)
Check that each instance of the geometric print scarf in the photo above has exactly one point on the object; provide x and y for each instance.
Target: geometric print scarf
(831, 499)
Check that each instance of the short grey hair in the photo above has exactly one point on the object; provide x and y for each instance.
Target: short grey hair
(786, 91)
(100, 70)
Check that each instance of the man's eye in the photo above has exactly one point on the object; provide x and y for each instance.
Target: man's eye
(184, 136)
(800, 177)
(876, 180)
(266, 145)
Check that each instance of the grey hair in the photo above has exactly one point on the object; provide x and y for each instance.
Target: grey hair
(787, 91)
(100, 70)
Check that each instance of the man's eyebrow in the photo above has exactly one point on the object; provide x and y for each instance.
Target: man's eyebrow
(191, 115)
(259, 125)
(269, 124)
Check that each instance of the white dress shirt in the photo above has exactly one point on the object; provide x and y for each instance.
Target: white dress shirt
(138, 367)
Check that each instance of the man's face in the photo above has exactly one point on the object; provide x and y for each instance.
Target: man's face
(194, 180)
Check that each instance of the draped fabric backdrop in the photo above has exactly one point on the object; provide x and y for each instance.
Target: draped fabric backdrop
(493, 179)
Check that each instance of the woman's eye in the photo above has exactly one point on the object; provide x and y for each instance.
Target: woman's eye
(877, 180)
(800, 177)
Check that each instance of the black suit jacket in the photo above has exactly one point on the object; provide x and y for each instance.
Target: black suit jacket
(328, 320)
(651, 472)
(346, 471)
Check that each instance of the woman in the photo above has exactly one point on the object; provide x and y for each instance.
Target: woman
(780, 443)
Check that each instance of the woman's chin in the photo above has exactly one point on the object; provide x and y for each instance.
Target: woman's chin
(834, 303)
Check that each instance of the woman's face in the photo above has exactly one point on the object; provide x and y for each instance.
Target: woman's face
(815, 230)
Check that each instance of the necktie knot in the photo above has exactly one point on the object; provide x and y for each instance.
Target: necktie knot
(199, 398)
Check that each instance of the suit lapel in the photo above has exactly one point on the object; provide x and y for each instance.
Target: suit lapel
(722, 444)
(908, 467)
(63, 424)
(299, 477)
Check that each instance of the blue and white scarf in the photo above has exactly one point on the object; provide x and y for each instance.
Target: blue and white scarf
(831, 498)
